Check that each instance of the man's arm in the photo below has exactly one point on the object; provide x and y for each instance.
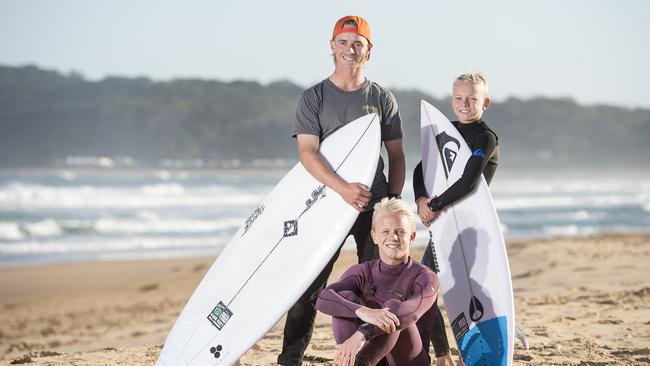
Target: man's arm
(396, 166)
(356, 194)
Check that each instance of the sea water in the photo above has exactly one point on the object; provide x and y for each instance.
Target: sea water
(62, 215)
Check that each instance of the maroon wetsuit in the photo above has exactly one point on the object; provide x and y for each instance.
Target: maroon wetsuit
(408, 290)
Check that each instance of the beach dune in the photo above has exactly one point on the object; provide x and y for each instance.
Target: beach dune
(582, 301)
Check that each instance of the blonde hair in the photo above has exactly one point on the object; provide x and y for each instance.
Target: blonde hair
(393, 206)
(475, 78)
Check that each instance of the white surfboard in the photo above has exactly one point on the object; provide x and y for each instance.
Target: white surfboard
(274, 257)
(471, 254)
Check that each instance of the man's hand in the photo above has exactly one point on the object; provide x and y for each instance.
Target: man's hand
(383, 318)
(356, 195)
(347, 351)
(424, 212)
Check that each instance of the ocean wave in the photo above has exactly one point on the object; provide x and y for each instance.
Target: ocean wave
(562, 185)
(165, 226)
(43, 229)
(504, 227)
(115, 245)
(82, 216)
(149, 224)
(13, 231)
(645, 206)
(171, 189)
(566, 201)
(25, 196)
(569, 230)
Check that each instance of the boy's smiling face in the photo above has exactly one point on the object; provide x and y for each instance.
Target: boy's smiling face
(468, 101)
(393, 234)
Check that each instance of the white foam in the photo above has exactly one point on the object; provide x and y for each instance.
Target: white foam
(564, 201)
(113, 245)
(25, 196)
(504, 227)
(645, 206)
(168, 189)
(569, 230)
(562, 185)
(165, 226)
(67, 175)
(44, 228)
(10, 231)
(95, 161)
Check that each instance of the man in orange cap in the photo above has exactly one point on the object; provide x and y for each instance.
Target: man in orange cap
(341, 98)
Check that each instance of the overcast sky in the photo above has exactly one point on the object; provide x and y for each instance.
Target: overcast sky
(595, 51)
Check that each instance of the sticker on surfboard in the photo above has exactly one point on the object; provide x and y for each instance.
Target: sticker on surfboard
(220, 315)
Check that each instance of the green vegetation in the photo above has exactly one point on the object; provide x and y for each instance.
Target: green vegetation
(46, 116)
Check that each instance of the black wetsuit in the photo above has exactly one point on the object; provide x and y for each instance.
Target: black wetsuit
(483, 143)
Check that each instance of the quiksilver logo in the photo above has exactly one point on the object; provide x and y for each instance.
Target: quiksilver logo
(448, 147)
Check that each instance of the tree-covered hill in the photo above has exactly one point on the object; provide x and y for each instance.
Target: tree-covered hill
(46, 116)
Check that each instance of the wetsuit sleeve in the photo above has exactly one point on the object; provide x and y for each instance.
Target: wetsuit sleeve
(339, 298)
(424, 293)
(486, 142)
(419, 189)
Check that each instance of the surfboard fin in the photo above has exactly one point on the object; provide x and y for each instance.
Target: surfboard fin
(521, 337)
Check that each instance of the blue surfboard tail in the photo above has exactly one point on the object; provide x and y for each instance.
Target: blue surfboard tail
(486, 344)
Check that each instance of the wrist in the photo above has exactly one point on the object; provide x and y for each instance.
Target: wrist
(339, 186)
(359, 336)
(394, 195)
(367, 330)
(435, 205)
(359, 311)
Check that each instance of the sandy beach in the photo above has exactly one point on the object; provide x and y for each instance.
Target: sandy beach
(582, 301)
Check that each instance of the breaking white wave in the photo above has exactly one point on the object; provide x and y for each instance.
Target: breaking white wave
(11, 231)
(165, 226)
(26, 196)
(569, 230)
(566, 201)
(73, 216)
(106, 226)
(114, 245)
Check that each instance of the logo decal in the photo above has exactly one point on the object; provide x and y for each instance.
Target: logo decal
(447, 150)
(290, 228)
(251, 219)
(460, 327)
(220, 315)
(475, 309)
(216, 351)
(436, 266)
(479, 152)
(370, 108)
(316, 194)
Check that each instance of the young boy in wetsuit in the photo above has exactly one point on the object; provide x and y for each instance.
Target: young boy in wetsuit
(376, 306)
(469, 100)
